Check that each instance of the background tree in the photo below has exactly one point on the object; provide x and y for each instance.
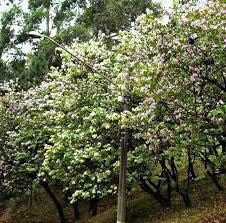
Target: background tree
(70, 20)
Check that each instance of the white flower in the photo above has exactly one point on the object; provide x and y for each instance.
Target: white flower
(120, 98)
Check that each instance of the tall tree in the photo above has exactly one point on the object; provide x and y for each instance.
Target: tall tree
(110, 16)
(68, 19)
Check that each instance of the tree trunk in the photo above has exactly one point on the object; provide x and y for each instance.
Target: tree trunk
(93, 206)
(31, 195)
(223, 141)
(47, 6)
(211, 173)
(174, 175)
(55, 201)
(186, 199)
(192, 171)
(76, 212)
(190, 166)
(166, 174)
(215, 181)
(152, 189)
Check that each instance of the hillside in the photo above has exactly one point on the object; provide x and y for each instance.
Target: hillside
(209, 206)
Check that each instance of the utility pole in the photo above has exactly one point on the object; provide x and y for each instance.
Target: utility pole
(121, 207)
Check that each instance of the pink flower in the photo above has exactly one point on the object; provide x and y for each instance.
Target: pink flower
(61, 88)
(224, 11)
(193, 76)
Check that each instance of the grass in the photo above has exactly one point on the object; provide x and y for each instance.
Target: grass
(209, 206)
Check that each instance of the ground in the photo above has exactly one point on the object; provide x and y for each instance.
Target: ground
(209, 206)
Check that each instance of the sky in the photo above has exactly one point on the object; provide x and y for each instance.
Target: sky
(3, 4)
(26, 48)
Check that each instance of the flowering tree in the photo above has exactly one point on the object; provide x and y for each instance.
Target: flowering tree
(189, 104)
(67, 130)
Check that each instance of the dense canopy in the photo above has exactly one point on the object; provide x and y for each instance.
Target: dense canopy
(66, 130)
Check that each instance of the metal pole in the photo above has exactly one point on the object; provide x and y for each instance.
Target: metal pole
(79, 60)
(121, 208)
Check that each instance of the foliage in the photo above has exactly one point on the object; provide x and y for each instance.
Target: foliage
(68, 128)
(112, 16)
(68, 19)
